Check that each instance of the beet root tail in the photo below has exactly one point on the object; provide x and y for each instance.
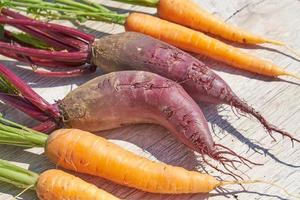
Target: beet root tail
(244, 107)
(220, 153)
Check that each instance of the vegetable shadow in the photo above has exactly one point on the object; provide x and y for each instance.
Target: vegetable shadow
(236, 193)
(221, 122)
(156, 142)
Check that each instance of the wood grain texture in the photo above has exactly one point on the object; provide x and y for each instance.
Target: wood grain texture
(278, 101)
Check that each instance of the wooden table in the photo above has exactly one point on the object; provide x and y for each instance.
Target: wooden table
(277, 100)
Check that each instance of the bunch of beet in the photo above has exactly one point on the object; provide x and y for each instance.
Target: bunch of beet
(142, 95)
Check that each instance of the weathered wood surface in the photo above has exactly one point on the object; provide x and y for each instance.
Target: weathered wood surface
(277, 100)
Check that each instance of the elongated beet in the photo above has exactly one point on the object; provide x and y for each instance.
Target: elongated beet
(131, 97)
(135, 51)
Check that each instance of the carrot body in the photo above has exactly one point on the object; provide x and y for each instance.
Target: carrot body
(58, 185)
(200, 43)
(87, 153)
(190, 14)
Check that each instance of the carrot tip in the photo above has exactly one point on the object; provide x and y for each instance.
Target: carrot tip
(275, 42)
(293, 75)
(279, 43)
(295, 52)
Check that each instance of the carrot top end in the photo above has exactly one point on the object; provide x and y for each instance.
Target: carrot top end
(66, 10)
(15, 134)
(17, 176)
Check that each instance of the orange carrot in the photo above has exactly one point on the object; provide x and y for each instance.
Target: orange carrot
(84, 152)
(200, 43)
(190, 14)
(51, 184)
(59, 185)
(87, 153)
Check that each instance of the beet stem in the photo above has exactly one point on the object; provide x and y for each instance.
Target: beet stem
(24, 106)
(28, 93)
(69, 73)
(46, 127)
(55, 55)
(49, 26)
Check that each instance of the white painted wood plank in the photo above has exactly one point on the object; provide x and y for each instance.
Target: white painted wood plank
(277, 101)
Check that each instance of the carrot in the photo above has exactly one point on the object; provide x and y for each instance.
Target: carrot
(51, 184)
(87, 153)
(200, 43)
(190, 14)
(185, 38)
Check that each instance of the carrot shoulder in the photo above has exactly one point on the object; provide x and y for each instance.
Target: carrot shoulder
(197, 42)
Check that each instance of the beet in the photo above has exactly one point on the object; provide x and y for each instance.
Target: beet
(135, 51)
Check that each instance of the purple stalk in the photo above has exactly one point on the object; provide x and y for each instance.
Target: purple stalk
(45, 37)
(69, 73)
(46, 127)
(72, 41)
(13, 14)
(61, 56)
(57, 40)
(48, 26)
(40, 62)
(24, 106)
(28, 93)
(63, 39)
(50, 40)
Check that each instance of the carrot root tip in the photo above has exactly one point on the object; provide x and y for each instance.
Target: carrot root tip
(279, 43)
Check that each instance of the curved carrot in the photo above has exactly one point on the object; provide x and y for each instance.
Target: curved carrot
(52, 184)
(200, 43)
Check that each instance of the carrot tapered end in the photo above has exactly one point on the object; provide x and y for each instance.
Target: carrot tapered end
(279, 43)
(292, 75)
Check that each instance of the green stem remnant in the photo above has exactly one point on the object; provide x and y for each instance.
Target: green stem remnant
(66, 9)
(14, 134)
(17, 176)
(31, 40)
(6, 87)
(148, 3)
